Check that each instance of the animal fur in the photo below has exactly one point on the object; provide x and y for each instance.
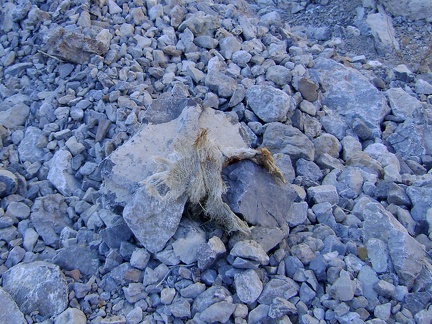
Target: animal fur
(195, 171)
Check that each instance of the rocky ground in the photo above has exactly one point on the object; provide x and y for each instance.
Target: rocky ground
(92, 91)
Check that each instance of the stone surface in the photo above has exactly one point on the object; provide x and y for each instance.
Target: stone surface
(60, 173)
(11, 313)
(251, 250)
(269, 104)
(282, 138)
(405, 252)
(49, 217)
(71, 316)
(248, 286)
(341, 94)
(257, 195)
(37, 286)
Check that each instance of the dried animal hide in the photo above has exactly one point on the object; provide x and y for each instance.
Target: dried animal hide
(195, 171)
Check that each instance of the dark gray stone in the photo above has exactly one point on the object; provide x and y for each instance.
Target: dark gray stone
(166, 108)
(309, 171)
(209, 297)
(79, 257)
(11, 313)
(279, 286)
(257, 195)
(280, 307)
(15, 116)
(49, 217)
(115, 234)
(8, 183)
(218, 312)
(421, 200)
(282, 138)
(37, 286)
(269, 104)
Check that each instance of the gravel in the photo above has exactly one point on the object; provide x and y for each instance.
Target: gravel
(92, 92)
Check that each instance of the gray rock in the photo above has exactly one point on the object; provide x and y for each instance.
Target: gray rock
(60, 173)
(402, 104)
(278, 286)
(421, 201)
(14, 116)
(282, 138)
(257, 195)
(309, 171)
(334, 124)
(368, 279)
(11, 313)
(200, 24)
(349, 183)
(378, 254)
(31, 147)
(119, 184)
(8, 183)
(385, 288)
(269, 104)
(412, 138)
(323, 193)
(145, 213)
(423, 87)
(248, 286)
(340, 94)
(37, 286)
(307, 294)
(209, 252)
(188, 243)
(218, 312)
(327, 143)
(303, 252)
(49, 217)
(209, 297)
(344, 288)
(278, 74)
(382, 30)
(383, 311)
(228, 46)
(140, 259)
(74, 46)
(250, 250)
(71, 316)
(405, 252)
(297, 213)
(241, 58)
(77, 257)
(193, 290)
(115, 234)
(221, 83)
(280, 307)
(166, 108)
(421, 9)
(180, 308)
(258, 314)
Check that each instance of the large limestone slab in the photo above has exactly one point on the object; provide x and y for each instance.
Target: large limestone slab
(134, 161)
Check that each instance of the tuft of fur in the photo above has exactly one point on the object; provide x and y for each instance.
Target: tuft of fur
(195, 171)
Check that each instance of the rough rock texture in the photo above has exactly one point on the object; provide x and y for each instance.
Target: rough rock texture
(350, 94)
(37, 286)
(11, 313)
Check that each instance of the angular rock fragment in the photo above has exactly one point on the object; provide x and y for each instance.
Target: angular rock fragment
(37, 286)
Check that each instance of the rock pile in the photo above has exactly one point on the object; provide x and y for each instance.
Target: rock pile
(92, 92)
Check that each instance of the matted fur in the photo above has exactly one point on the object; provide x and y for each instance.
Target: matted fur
(195, 171)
